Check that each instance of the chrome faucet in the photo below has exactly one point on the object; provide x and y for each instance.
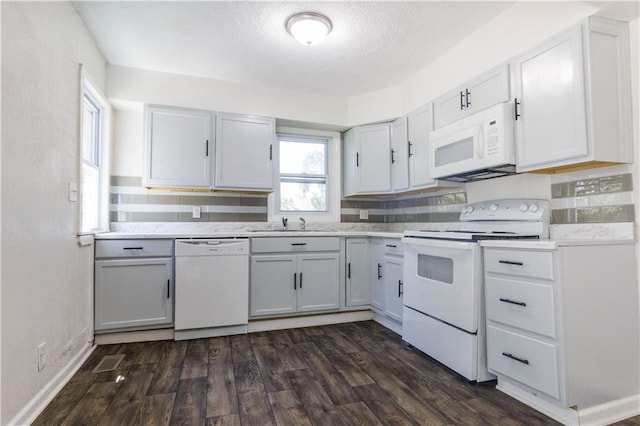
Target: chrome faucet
(285, 222)
(302, 224)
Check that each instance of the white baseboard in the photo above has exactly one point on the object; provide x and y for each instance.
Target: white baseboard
(566, 416)
(598, 415)
(39, 402)
(391, 324)
(134, 336)
(611, 412)
(308, 321)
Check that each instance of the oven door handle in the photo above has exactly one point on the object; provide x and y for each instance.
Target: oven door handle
(418, 243)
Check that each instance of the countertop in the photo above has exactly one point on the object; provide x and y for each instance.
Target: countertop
(551, 244)
(247, 234)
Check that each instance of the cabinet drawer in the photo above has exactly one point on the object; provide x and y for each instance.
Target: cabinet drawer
(393, 246)
(133, 248)
(294, 244)
(527, 360)
(526, 263)
(520, 304)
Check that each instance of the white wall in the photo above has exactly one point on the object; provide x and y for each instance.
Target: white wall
(47, 280)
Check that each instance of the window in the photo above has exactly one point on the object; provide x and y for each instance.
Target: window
(303, 174)
(307, 177)
(94, 183)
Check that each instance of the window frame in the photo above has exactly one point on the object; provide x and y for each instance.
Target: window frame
(332, 214)
(100, 160)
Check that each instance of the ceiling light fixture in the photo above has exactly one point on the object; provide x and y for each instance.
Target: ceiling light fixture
(309, 28)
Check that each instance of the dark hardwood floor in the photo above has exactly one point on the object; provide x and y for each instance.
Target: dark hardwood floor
(345, 374)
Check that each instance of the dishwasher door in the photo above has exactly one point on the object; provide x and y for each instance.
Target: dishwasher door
(212, 284)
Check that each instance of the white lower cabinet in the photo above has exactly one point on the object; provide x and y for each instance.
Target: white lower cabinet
(393, 285)
(284, 284)
(358, 286)
(563, 324)
(377, 274)
(133, 289)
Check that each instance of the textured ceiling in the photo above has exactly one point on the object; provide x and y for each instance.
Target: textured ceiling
(373, 45)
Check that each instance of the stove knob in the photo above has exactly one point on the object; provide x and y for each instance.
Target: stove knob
(533, 208)
(493, 207)
(470, 210)
(524, 207)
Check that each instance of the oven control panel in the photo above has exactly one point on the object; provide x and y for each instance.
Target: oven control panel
(536, 210)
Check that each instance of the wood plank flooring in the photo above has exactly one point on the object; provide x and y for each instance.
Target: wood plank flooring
(345, 374)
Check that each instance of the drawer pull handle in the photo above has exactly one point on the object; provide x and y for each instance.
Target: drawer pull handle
(515, 358)
(513, 302)
(298, 244)
(132, 248)
(510, 262)
(391, 245)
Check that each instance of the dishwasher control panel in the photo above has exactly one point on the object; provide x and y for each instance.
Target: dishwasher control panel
(212, 247)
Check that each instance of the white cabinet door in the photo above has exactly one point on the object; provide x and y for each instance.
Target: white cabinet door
(374, 159)
(133, 293)
(550, 101)
(487, 89)
(244, 152)
(318, 282)
(393, 286)
(178, 147)
(420, 124)
(377, 274)
(399, 155)
(367, 160)
(358, 281)
(273, 284)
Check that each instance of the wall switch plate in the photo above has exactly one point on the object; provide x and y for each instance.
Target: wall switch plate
(73, 192)
(42, 356)
(364, 214)
(196, 212)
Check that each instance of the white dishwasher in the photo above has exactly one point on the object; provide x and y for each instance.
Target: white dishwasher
(211, 287)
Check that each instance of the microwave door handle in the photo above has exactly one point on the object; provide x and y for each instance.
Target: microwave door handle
(479, 143)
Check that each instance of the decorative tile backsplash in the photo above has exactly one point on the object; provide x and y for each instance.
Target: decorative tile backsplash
(593, 199)
(130, 202)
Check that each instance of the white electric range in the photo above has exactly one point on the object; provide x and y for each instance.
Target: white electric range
(443, 312)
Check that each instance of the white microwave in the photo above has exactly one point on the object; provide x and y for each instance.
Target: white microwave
(477, 147)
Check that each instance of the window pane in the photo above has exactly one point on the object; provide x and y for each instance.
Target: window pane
(303, 157)
(303, 196)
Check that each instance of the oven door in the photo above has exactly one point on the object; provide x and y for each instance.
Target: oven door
(442, 280)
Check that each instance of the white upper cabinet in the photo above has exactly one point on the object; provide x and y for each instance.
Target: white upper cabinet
(367, 160)
(244, 152)
(572, 98)
(178, 147)
(420, 124)
(482, 92)
(399, 155)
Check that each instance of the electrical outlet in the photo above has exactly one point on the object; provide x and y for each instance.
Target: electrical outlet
(122, 216)
(42, 356)
(73, 192)
(196, 212)
(364, 214)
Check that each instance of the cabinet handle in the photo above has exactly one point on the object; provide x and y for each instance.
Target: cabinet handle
(461, 100)
(379, 271)
(168, 288)
(513, 302)
(270, 152)
(393, 160)
(132, 248)
(400, 292)
(467, 96)
(349, 270)
(515, 358)
(391, 245)
(300, 279)
(357, 159)
(510, 262)
(516, 109)
(207, 148)
(298, 244)
(410, 153)
(295, 281)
